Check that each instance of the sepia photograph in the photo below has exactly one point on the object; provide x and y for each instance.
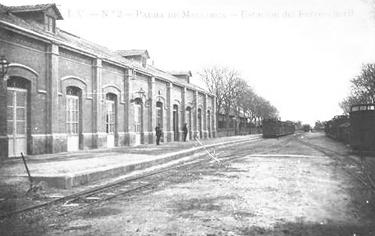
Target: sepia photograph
(187, 117)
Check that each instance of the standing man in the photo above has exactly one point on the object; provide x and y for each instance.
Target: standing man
(158, 134)
(185, 130)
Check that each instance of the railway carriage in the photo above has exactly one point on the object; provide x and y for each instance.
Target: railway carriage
(273, 128)
(338, 128)
(362, 129)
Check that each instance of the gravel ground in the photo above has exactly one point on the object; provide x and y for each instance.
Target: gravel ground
(274, 187)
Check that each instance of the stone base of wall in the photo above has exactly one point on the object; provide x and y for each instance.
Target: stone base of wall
(190, 136)
(58, 143)
(55, 143)
(205, 134)
(3, 148)
(177, 138)
(126, 137)
(39, 144)
(150, 137)
(130, 138)
(224, 132)
(181, 136)
(97, 140)
(121, 139)
(195, 134)
(87, 141)
(169, 136)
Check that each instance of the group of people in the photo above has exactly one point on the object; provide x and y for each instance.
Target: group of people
(159, 133)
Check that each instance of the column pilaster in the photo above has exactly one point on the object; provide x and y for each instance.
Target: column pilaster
(55, 143)
(98, 129)
(152, 110)
(196, 132)
(169, 132)
(183, 112)
(128, 112)
(3, 119)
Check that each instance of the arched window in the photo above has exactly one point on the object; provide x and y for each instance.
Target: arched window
(138, 115)
(18, 82)
(74, 91)
(110, 118)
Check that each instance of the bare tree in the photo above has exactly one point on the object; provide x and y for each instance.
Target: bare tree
(223, 82)
(234, 96)
(362, 88)
(214, 80)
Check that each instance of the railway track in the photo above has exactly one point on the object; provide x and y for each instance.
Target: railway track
(364, 177)
(127, 186)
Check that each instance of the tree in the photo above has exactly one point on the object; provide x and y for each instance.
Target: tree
(347, 102)
(362, 88)
(223, 82)
(298, 124)
(319, 125)
(234, 97)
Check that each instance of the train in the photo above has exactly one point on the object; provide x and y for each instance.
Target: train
(356, 129)
(273, 128)
(338, 128)
(362, 127)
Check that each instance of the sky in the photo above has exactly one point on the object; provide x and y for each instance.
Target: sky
(298, 54)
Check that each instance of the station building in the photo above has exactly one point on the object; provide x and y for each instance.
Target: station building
(62, 93)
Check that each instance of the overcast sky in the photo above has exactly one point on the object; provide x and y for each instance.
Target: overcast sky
(298, 54)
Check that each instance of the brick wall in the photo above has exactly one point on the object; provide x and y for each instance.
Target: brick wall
(50, 69)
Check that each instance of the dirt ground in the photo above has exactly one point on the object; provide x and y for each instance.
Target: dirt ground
(274, 187)
(277, 187)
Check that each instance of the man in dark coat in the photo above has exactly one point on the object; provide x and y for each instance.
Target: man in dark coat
(185, 130)
(159, 133)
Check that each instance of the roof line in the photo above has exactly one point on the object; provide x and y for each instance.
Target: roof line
(38, 7)
(131, 65)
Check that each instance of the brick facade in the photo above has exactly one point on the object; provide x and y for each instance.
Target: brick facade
(116, 98)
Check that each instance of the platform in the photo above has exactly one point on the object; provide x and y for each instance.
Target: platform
(67, 170)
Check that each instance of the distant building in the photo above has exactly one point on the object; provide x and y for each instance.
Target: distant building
(64, 93)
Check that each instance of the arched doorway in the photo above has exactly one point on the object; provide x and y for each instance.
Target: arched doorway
(159, 114)
(188, 122)
(73, 117)
(138, 120)
(18, 113)
(111, 119)
(175, 123)
(200, 123)
(159, 117)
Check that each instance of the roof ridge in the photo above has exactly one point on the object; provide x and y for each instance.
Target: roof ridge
(44, 5)
(4, 8)
(35, 7)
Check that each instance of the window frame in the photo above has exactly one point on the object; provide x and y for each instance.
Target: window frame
(50, 24)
